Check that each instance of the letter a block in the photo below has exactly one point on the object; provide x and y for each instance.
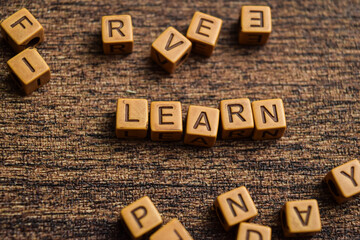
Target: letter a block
(204, 33)
(173, 230)
(140, 218)
(269, 118)
(300, 218)
(255, 25)
(251, 231)
(132, 118)
(21, 30)
(201, 126)
(344, 181)
(236, 118)
(170, 49)
(234, 207)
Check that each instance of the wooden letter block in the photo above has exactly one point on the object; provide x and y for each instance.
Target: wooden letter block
(166, 121)
(140, 218)
(170, 49)
(234, 207)
(269, 118)
(204, 32)
(344, 181)
(236, 118)
(29, 70)
(255, 25)
(251, 231)
(117, 34)
(132, 118)
(21, 30)
(201, 126)
(173, 230)
(300, 218)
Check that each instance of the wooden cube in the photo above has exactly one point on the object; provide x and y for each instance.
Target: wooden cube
(29, 70)
(201, 126)
(300, 218)
(166, 121)
(204, 32)
(234, 207)
(251, 231)
(173, 230)
(117, 34)
(140, 218)
(236, 118)
(132, 118)
(344, 181)
(21, 30)
(170, 49)
(269, 118)
(255, 25)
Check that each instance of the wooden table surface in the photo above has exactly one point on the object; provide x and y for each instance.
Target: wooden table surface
(64, 174)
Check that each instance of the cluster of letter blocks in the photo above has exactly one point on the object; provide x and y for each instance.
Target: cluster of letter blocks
(236, 209)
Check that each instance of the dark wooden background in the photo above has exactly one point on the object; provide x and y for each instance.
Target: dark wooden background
(63, 173)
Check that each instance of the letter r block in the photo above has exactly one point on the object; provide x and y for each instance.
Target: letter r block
(140, 218)
(132, 118)
(173, 230)
(117, 34)
(21, 30)
(251, 231)
(234, 207)
(344, 181)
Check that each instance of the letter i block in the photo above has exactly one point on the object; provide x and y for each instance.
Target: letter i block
(166, 121)
(173, 230)
(251, 231)
(21, 30)
(140, 218)
(344, 181)
(117, 34)
(201, 126)
(300, 218)
(29, 70)
(234, 207)
(269, 118)
(204, 33)
(170, 49)
(132, 118)
(255, 25)
(236, 118)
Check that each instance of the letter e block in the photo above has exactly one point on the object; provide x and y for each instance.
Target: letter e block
(170, 49)
(204, 33)
(21, 30)
(344, 181)
(251, 231)
(173, 230)
(300, 218)
(269, 118)
(234, 207)
(255, 25)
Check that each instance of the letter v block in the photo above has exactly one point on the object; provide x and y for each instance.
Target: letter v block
(251, 231)
(170, 49)
(173, 230)
(344, 181)
(140, 218)
(234, 207)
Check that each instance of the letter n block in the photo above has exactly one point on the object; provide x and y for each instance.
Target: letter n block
(236, 118)
(269, 118)
(117, 34)
(300, 218)
(201, 126)
(140, 218)
(251, 231)
(255, 25)
(344, 181)
(234, 207)
(132, 118)
(21, 30)
(170, 49)
(204, 33)
(173, 230)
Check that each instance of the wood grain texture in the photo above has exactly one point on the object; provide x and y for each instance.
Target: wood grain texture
(63, 173)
